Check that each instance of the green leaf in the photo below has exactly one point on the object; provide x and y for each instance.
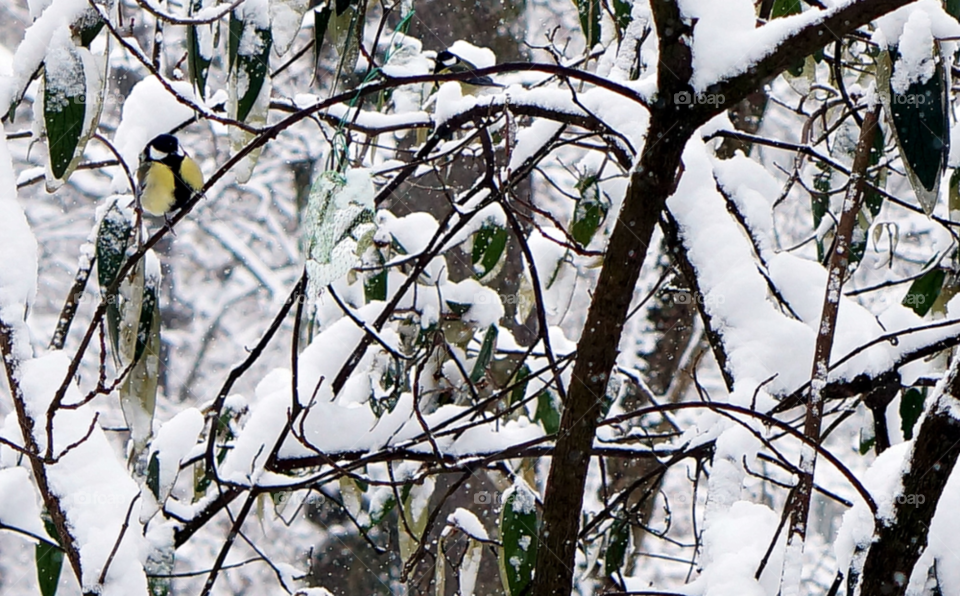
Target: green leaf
(518, 535)
(153, 475)
(921, 126)
(866, 443)
(590, 14)
(248, 67)
(873, 199)
(112, 240)
(197, 62)
(590, 213)
(911, 406)
(548, 412)
(820, 203)
(953, 196)
(953, 8)
(87, 26)
(784, 8)
(486, 353)
(345, 30)
(375, 286)
(49, 560)
(140, 345)
(201, 480)
(458, 308)
(520, 391)
(64, 107)
(488, 248)
(617, 542)
(621, 14)
(924, 291)
(378, 515)
(148, 308)
(321, 18)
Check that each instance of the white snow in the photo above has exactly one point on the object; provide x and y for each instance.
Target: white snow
(736, 542)
(19, 502)
(479, 57)
(18, 276)
(37, 39)
(286, 17)
(916, 63)
(727, 42)
(172, 444)
(891, 26)
(467, 521)
(95, 489)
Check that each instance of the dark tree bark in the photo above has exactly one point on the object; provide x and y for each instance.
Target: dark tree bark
(899, 543)
(652, 181)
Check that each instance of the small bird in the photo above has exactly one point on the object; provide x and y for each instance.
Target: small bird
(448, 62)
(167, 177)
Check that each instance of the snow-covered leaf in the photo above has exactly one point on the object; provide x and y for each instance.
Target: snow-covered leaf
(591, 211)
(489, 244)
(112, 238)
(285, 19)
(249, 52)
(321, 18)
(470, 567)
(914, 94)
(200, 49)
(338, 225)
(140, 348)
(591, 13)
(518, 535)
(415, 507)
(71, 103)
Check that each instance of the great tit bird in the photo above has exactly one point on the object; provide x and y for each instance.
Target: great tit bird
(167, 177)
(448, 62)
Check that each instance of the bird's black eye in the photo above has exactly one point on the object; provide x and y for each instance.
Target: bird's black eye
(446, 58)
(165, 143)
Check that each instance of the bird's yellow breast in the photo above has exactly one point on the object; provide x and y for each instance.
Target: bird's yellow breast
(158, 185)
(191, 174)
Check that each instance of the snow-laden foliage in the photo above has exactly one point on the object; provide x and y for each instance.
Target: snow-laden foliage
(662, 300)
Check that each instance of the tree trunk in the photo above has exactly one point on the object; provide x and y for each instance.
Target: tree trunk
(901, 541)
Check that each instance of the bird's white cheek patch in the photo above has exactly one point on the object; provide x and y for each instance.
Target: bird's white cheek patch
(156, 155)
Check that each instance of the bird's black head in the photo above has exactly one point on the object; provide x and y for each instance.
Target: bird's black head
(445, 59)
(162, 146)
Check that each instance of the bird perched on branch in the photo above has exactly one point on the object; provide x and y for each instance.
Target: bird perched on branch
(167, 177)
(448, 62)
